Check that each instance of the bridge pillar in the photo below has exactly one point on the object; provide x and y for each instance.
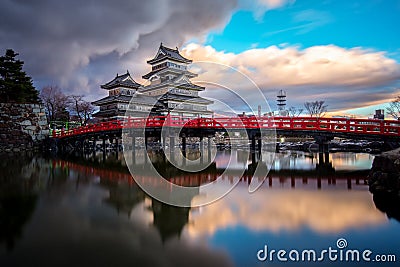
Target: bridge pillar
(103, 145)
(59, 146)
(324, 147)
(259, 144)
(133, 156)
(253, 158)
(201, 145)
(184, 146)
(321, 158)
(253, 144)
(94, 146)
(209, 149)
(82, 145)
(201, 157)
(104, 148)
(326, 155)
(324, 166)
(116, 147)
(323, 142)
(172, 147)
(164, 144)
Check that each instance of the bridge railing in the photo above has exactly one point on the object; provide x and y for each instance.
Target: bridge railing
(338, 125)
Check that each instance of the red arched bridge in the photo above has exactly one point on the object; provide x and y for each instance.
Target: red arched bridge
(385, 130)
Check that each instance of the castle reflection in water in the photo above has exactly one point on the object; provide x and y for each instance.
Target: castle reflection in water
(82, 201)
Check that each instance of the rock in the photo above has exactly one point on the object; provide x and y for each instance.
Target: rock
(26, 123)
(385, 173)
(30, 128)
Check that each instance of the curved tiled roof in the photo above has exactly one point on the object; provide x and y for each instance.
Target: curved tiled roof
(166, 52)
(177, 97)
(137, 98)
(124, 80)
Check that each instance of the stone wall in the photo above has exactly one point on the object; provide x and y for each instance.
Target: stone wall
(22, 126)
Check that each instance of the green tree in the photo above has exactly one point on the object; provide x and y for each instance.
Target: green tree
(15, 85)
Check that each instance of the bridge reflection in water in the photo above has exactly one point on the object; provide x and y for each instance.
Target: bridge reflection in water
(296, 170)
(83, 202)
(297, 179)
(312, 170)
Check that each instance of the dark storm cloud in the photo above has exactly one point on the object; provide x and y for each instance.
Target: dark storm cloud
(62, 42)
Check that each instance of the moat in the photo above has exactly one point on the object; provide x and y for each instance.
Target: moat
(87, 210)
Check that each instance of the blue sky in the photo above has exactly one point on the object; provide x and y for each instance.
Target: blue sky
(368, 24)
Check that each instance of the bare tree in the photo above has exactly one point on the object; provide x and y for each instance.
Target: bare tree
(295, 112)
(55, 102)
(81, 108)
(394, 108)
(87, 111)
(316, 109)
(75, 106)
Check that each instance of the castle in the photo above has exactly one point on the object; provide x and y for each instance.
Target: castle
(170, 91)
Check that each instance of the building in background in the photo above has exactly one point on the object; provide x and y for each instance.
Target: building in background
(379, 114)
(281, 103)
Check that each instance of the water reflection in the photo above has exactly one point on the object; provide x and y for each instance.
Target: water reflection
(388, 203)
(91, 211)
(288, 210)
(18, 197)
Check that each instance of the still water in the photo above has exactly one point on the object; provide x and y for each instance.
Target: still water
(76, 211)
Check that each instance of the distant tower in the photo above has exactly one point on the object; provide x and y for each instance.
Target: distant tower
(281, 99)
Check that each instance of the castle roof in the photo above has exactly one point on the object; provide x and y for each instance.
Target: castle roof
(137, 98)
(124, 80)
(168, 53)
(182, 98)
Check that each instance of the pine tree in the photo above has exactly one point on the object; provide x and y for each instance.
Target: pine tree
(15, 85)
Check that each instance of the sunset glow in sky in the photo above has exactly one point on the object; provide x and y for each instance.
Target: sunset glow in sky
(344, 52)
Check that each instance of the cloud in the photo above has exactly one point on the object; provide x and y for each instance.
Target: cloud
(321, 211)
(305, 21)
(78, 44)
(259, 7)
(311, 19)
(343, 77)
(272, 4)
